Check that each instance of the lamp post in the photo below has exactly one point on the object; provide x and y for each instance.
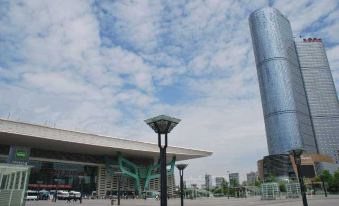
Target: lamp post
(162, 124)
(228, 185)
(81, 178)
(194, 191)
(55, 197)
(323, 184)
(297, 160)
(181, 168)
(119, 175)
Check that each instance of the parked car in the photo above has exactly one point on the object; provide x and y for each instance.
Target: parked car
(31, 195)
(43, 195)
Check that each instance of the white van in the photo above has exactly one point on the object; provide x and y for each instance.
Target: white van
(32, 195)
(62, 195)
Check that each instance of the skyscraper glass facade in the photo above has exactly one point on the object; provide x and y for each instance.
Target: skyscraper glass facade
(321, 94)
(286, 113)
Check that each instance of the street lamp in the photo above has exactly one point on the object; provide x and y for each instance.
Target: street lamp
(81, 178)
(195, 190)
(55, 197)
(118, 174)
(323, 184)
(228, 185)
(297, 160)
(162, 124)
(181, 168)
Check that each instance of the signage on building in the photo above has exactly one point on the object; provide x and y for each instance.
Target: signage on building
(18, 155)
(312, 40)
(49, 186)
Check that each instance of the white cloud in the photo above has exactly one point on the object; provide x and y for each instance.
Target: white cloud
(302, 14)
(134, 22)
(54, 82)
(103, 66)
(333, 57)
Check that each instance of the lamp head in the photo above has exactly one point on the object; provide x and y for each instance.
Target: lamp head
(162, 124)
(297, 155)
(181, 166)
(296, 152)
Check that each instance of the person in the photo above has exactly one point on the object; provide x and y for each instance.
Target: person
(68, 199)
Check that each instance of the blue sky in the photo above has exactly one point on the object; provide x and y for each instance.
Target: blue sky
(105, 66)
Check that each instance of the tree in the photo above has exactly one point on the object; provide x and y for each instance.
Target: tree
(334, 183)
(257, 183)
(282, 186)
(271, 178)
(225, 187)
(326, 175)
(234, 182)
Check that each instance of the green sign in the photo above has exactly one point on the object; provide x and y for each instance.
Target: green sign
(20, 154)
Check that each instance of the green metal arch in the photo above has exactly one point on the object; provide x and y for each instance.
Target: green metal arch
(152, 175)
(134, 174)
(130, 169)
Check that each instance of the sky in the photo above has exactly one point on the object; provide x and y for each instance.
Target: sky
(104, 67)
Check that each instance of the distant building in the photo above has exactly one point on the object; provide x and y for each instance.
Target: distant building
(194, 185)
(234, 179)
(208, 181)
(203, 187)
(260, 165)
(251, 178)
(219, 181)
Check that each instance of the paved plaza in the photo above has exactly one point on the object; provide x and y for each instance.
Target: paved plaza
(313, 201)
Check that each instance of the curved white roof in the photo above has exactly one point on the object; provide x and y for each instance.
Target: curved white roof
(42, 137)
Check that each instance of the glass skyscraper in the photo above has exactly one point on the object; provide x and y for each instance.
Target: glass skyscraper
(286, 113)
(321, 94)
(299, 111)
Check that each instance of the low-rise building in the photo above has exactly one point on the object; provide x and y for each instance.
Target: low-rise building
(219, 182)
(234, 179)
(251, 178)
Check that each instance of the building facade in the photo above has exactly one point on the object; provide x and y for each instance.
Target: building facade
(260, 169)
(282, 167)
(251, 178)
(286, 112)
(219, 182)
(277, 167)
(68, 160)
(208, 181)
(321, 95)
(234, 180)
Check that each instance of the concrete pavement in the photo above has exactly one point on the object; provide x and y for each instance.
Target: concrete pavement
(253, 201)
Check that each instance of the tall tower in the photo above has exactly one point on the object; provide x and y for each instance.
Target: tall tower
(208, 181)
(321, 95)
(286, 112)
